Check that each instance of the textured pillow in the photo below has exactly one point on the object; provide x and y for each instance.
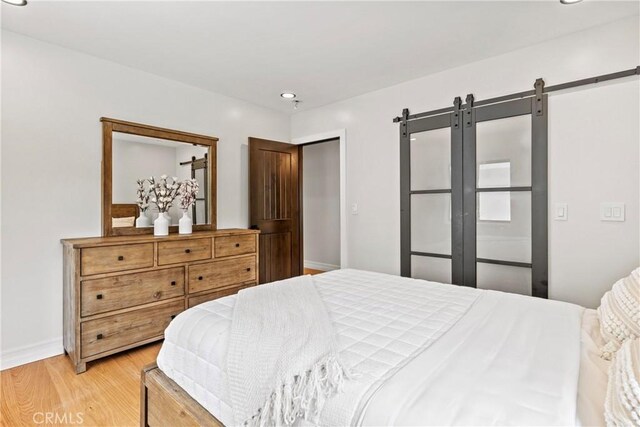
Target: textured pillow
(622, 407)
(619, 313)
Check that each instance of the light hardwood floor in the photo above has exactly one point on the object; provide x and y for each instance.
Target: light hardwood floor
(312, 271)
(108, 394)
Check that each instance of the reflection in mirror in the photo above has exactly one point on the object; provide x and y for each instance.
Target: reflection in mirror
(138, 157)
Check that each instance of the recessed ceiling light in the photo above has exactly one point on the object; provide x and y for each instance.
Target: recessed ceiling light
(288, 95)
(15, 2)
(570, 1)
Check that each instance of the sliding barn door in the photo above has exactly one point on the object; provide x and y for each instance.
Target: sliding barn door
(274, 204)
(431, 198)
(474, 195)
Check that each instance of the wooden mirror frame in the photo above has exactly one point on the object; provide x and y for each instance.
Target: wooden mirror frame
(112, 125)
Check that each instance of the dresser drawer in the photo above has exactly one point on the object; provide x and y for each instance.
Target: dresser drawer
(110, 333)
(210, 296)
(183, 251)
(129, 290)
(108, 259)
(221, 274)
(234, 245)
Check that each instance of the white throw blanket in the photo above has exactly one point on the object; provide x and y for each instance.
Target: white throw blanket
(282, 359)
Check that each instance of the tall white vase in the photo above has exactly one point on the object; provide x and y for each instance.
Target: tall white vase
(185, 224)
(143, 220)
(161, 226)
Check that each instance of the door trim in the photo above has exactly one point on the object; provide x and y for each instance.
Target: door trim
(340, 134)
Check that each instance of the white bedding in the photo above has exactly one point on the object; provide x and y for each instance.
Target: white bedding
(481, 357)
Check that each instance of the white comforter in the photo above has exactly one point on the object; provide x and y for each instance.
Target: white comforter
(429, 353)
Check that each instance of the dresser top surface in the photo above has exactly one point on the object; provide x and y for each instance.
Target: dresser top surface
(145, 238)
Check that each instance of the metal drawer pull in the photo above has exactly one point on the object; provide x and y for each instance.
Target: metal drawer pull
(200, 277)
(120, 258)
(173, 283)
(99, 296)
(248, 268)
(157, 295)
(237, 245)
(99, 336)
(188, 251)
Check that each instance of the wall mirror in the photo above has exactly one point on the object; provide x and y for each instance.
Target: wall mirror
(132, 152)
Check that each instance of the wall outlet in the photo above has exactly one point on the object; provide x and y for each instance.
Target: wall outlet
(612, 211)
(354, 209)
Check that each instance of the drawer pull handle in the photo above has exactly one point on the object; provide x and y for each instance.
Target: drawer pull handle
(120, 258)
(248, 268)
(173, 283)
(200, 277)
(157, 295)
(237, 245)
(99, 336)
(187, 251)
(99, 296)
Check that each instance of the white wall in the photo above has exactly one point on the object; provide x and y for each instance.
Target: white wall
(321, 204)
(592, 158)
(52, 99)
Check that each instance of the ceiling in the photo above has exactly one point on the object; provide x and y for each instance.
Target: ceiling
(322, 51)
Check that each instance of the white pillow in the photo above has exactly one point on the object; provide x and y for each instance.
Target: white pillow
(619, 313)
(622, 407)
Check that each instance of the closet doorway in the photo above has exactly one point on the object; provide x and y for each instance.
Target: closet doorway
(321, 205)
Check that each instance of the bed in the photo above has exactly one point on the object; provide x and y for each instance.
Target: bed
(427, 354)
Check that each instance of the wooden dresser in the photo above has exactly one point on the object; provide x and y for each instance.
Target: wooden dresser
(122, 292)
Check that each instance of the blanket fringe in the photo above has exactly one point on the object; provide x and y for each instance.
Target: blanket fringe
(302, 396)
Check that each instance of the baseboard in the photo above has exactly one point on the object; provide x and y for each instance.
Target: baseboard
(31, 353)
(320, 266)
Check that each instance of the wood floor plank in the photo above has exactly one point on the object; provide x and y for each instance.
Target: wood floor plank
(108, 394)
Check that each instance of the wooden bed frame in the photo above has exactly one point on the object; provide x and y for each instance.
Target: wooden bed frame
(165, 403)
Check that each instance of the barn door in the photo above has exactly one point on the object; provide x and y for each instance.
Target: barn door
(274, 205)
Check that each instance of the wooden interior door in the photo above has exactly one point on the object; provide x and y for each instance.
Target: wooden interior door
(275, 175)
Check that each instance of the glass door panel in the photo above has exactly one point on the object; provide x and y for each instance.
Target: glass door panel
(431, 159)
(504, 278)
(503, 152)
(431, 223)
(504, 226)
(430, 268)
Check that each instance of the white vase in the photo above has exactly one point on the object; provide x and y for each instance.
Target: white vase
(185, 224)
(143, 220)
(161, 226)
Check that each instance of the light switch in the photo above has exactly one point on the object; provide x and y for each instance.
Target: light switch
(354, 209)
(562, 212)
(612, 211)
